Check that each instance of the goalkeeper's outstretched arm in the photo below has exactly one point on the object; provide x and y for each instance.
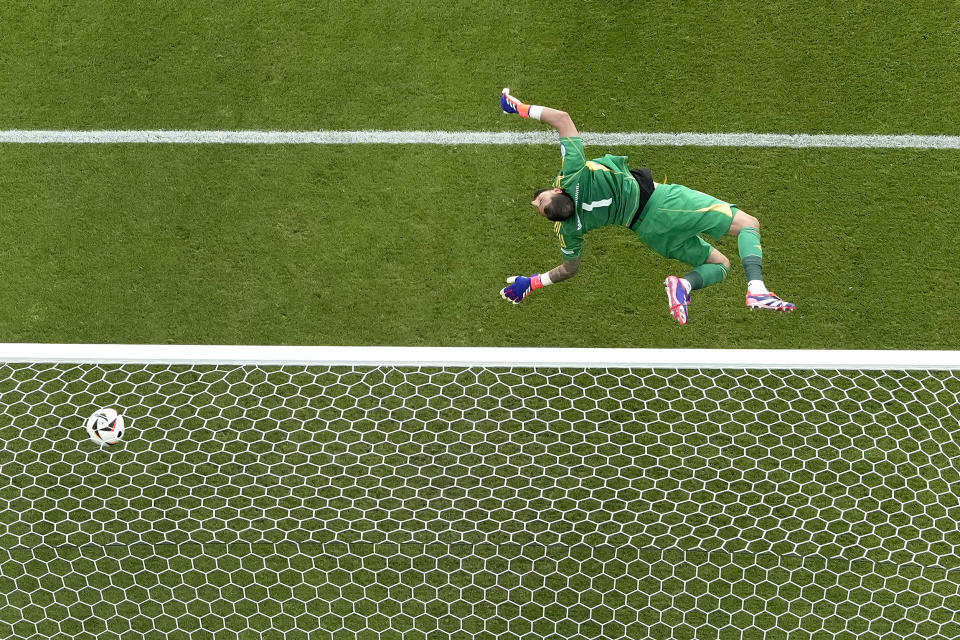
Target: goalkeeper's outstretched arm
(559, 120)
(566, 270)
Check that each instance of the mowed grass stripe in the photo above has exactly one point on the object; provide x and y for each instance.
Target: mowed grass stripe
(377, 136)
(389, 245)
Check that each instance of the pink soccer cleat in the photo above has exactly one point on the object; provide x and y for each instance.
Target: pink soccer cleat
(677, 298)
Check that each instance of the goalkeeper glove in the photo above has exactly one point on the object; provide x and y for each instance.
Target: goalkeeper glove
(519, 287)
(509, 104)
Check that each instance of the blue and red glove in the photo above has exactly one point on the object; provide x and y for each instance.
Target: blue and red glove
(509, 104)
(519, 287)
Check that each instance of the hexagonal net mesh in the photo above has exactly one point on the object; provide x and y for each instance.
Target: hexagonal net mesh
(491, 502)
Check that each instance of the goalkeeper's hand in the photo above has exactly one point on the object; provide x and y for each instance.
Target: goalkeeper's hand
(519, 287)
(509, 104)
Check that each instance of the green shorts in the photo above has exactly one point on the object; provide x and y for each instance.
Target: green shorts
(674, 218)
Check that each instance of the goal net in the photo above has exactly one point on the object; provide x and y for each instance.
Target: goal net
(479, 493)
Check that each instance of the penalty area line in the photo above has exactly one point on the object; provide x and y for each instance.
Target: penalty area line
(332, 137)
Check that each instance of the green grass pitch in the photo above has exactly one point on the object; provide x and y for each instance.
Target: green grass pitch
(304, 504)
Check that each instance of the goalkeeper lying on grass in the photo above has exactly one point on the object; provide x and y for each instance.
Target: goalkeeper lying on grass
(668, 218)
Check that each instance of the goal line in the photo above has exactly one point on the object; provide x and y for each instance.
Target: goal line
(327, 137)
(481, 356)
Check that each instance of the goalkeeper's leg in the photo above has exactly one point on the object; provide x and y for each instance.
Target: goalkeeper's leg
(746, 228)
(711, 272)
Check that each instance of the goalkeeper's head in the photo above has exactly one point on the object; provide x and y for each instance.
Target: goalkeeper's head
(553, 204)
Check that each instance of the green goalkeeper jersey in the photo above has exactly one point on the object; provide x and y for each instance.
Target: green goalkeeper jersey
(603, 191)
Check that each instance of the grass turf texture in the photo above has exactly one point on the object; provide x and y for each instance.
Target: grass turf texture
(783, 66)
(410, 245)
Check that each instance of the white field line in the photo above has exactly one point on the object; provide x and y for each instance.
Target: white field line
(766, 359)
(796, 141)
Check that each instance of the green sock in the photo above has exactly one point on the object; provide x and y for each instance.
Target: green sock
(706, 275)
(751, 255)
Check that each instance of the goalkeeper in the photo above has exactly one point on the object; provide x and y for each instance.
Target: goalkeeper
(668, 218)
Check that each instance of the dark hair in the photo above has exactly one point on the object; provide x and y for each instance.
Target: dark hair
(559, 208)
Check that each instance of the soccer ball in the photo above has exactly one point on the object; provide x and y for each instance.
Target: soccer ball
(105, 426)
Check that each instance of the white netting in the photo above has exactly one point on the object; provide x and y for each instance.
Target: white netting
(388, 502)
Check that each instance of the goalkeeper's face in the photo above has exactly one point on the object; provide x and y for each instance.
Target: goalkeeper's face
(543, 197)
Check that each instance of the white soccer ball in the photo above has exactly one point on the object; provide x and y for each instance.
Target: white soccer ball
(105, 426)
